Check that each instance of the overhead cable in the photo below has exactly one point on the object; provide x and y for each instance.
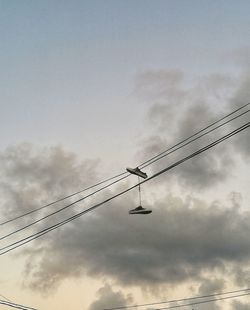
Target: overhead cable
(171, 150)
(14, 305)
(34, 236)
(203, 301)
(142, 165)
(59, 210)
(193, 135)
(62, 199)
(5, 298)
(179, 300)
(174, 149)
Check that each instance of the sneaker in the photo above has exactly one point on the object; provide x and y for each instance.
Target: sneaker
(140, 210)
(138, 172)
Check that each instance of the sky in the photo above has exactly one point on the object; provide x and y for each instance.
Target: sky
(88, 88)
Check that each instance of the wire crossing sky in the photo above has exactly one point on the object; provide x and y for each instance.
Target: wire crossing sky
(23, 241)
(204, 301)
(180, 300)
(171, 150)
(125, 174)
(89, 88)
(14, 305)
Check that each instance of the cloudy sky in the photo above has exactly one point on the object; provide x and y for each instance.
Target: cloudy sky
(88, 88)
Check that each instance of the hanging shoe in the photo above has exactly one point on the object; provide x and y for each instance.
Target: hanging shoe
(138, 172)
(140, 210)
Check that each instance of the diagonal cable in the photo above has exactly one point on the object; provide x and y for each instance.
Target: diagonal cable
(25, 240)
(204, 301)
(142, 165)
(114, 182)
(179, 300)
(14, 305)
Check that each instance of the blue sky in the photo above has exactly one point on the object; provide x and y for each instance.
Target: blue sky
(57, 56)
(92, 76)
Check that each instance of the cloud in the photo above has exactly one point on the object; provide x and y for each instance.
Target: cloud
(210, 286)
(180, 241)
(108, 298)
(167, 92)
(31, 177)
(179, 110)
(183, 240)
(241, 275)
(237, 305)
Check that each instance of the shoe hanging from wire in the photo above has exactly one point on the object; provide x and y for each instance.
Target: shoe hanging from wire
(139, 209)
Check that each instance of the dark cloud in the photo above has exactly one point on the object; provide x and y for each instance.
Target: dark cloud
(180, 241)
(31, 177)
(177, 111)
(108, 298)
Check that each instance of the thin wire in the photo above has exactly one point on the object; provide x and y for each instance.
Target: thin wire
(46, 230)
(14, 305)
(199, 131)
(5, 298)
(144, 164)
(91, 194)
(171, 150)
(25, 240)
(204, 301)
(63, 198)
(179, 300)
(59, 210)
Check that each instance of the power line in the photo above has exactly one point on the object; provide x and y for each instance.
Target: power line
(199, 131)
(142, 165)
(61, 199)
(204, 301)
(61, 209)
(5, 298)
(179, 300)
(14, 305)
(25, 240)
(46, 230)
(171, 150)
